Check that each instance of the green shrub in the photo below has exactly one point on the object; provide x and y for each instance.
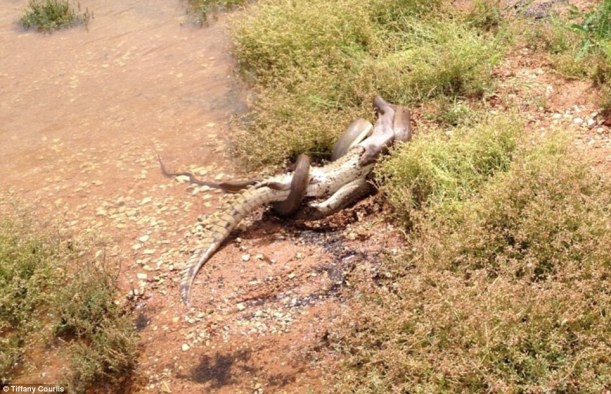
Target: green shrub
(512, 297)
(316, 65)
(201, 9)
(485, 14)
(440, 172)
(544, 217)
(107, 359)
(579, 46)
(451, 61)
(27, 274)
(103, 350)
(447, 112)
(594, 26)
(48, 15)
(47, 292)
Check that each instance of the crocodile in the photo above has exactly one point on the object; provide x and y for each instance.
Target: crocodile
(337, 184)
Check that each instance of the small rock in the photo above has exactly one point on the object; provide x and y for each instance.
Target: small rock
(241, 306)
(245, 257)
(142, 276)
(185, 347)
(144, 238)
(591, 123)
(578, 121)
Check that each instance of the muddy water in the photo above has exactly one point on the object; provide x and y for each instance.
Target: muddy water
(140, 76)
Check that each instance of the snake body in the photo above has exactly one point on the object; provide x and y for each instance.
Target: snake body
(323, 181)
(338, 183)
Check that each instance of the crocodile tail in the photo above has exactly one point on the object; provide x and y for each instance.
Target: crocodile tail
(218, 227)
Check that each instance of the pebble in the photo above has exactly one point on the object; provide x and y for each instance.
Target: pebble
(578, 121)
(185, 347)
(142, 275)
(245, 257)
(241, 306)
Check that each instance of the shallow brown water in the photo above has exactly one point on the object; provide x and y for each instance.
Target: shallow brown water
(140, 75)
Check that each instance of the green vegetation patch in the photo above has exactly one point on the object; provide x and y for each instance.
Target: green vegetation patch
(509, 292)
(440, 171)
(201, 9)
(49, 15)
(25, 266)
(52, 297)
(579, 43)
(316, 65)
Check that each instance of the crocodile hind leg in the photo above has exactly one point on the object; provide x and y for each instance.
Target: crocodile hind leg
(346, 195)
